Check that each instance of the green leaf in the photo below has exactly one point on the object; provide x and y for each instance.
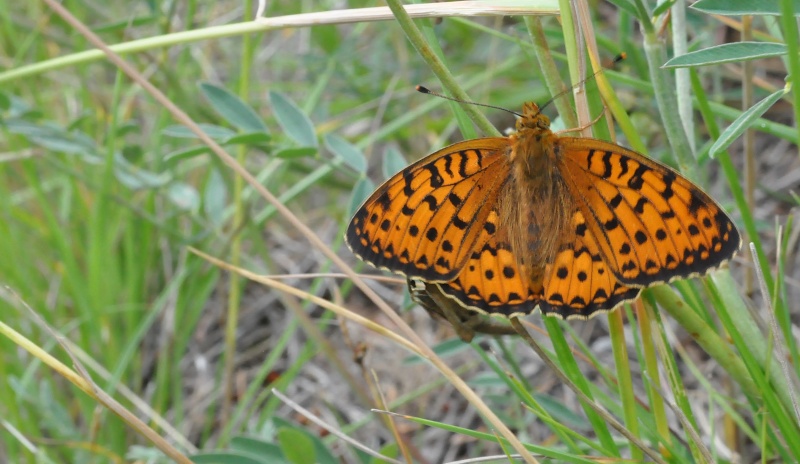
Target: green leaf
(135, 177)
(225, 457)
(66, 143)
(743, 122)
(138, 453)
(393, 162)
(268, 452)
(252, 138)
(133, 153)
(660, 9)
(215, 198)
(390, 450)
(218, 133)
(55, 138)
(443, 349)
(326, 37)
(349, 153)
(232, 109)
(296, 152)
(191, 152)
(743, 7)
(140, 179)
(296, 124)
(727, 53)
(184, 196)
(363, 189)
(323, 454)
(487, 380)
(18, 108)
(296, 446)
(561, 413)
(129, 127)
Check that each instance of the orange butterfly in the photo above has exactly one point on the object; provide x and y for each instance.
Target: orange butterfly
(572, 225)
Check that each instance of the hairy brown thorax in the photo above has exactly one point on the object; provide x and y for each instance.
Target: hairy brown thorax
(536, 208)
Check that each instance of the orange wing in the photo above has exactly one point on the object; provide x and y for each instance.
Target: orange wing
(424, 221)
(579, 283)
(651, 224)
(491, 281)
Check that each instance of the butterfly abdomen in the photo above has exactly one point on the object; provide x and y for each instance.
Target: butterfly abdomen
(537, 210)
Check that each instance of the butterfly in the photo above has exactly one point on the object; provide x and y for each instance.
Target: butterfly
(573, 226)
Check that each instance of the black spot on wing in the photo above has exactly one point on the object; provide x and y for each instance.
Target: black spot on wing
(578, 308)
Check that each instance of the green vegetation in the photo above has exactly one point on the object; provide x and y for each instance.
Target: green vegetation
(111, 208)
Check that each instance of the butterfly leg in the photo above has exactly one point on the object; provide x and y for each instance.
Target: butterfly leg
(465, 322)
(580, 128)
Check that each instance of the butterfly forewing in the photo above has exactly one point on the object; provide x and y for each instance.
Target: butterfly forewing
(651, 224)
(425, 220)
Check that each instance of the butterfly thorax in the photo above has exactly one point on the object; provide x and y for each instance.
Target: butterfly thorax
(532, 146)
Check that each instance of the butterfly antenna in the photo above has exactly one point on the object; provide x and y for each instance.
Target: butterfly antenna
(426, 90)
(616, 60)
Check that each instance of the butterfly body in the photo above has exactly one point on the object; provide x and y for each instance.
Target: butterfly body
(574, 226)
(539, 209)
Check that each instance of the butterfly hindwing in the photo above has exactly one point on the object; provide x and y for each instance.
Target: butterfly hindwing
(651, 224)
(424, 221)
(491, 281)
(579, 283)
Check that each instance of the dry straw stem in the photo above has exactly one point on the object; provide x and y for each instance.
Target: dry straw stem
(338, 309)
(184, 119)
(423, 10)
(84, 382)
(610, 419)
(450, 9)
